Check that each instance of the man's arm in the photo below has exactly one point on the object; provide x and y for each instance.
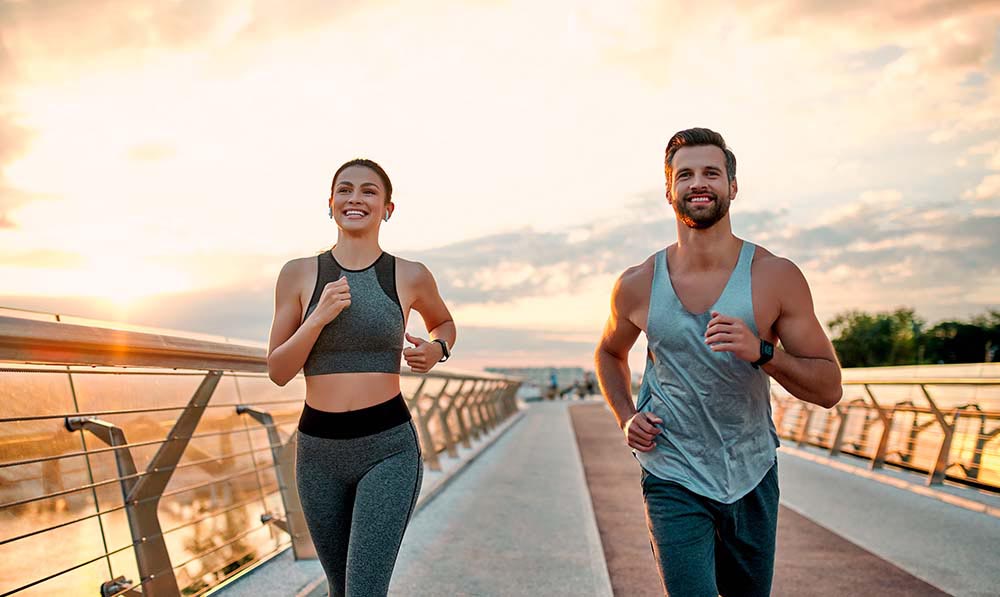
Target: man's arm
(613, 374)
(807, 366)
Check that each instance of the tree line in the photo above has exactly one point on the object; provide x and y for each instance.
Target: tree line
(901, 337)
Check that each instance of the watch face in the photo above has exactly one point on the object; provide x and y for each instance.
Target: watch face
(768, 350)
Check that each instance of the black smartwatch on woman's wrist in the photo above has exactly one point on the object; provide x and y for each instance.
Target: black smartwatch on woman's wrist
(445, 353)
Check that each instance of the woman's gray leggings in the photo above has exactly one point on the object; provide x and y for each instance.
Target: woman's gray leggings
(357, 496)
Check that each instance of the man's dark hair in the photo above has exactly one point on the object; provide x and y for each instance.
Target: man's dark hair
(371, 166)
(695, 137)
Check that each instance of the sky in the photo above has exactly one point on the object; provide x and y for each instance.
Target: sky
(160, 160)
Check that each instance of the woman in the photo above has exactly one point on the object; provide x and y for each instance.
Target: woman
(341, 316)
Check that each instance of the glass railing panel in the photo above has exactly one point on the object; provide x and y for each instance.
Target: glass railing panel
(122, 564)
(107, 389)
(85, 580)
(38, 496)
(258, 390)
(33, 392)
(215, 565)
(36, 557)
(268, 480)
(218, 543)
(38, 440)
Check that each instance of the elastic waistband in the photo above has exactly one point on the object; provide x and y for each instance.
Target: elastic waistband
(354, 423)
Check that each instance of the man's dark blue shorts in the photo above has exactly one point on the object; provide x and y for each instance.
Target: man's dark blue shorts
(707, 548)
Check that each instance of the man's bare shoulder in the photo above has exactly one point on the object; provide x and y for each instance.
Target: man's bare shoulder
(774, 268)
(635, 282)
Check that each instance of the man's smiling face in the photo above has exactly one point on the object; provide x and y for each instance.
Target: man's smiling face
(700, 190)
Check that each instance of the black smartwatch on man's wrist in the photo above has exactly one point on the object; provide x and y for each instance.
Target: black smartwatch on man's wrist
(766, 354)
(445, 353)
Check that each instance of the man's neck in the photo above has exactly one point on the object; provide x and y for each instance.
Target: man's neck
(356, 252)
(705, 249)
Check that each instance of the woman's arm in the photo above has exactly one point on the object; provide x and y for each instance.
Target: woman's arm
(290, 343)
(428, 302)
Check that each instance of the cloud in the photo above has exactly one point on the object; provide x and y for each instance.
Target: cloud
(14, 142)
(988, 188)
(15, 139)
(896, 252)
(990, 149)
(44, 258)
(128, 25)
(151, 152)
(97, 32)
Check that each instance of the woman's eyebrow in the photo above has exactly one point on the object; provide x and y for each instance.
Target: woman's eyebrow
(346, 183)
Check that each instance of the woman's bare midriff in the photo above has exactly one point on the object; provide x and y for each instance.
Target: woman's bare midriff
(341, 392)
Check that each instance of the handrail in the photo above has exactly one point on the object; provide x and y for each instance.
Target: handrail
(453, 408)
(927, 381)
(53, 343)
(959, 435)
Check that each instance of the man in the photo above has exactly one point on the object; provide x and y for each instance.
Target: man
(701, 427)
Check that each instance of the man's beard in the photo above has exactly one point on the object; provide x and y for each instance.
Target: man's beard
(702, 218)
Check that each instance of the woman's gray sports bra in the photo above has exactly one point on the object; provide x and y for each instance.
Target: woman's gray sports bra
(367, 336)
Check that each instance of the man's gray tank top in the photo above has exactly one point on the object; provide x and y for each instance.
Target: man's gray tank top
(718, 439)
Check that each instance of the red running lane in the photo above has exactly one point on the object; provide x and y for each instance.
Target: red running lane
(811, 561)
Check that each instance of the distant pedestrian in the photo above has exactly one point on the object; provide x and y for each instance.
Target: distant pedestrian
(589, 383)
(341, 316)
(701, 427)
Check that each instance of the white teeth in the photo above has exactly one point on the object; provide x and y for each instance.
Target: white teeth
(354, 212)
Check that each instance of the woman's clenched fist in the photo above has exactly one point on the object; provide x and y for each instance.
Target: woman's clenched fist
(335, 298)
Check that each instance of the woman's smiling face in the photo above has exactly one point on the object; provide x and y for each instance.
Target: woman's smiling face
(358, 199)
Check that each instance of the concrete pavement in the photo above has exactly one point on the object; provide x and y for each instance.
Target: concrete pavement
(518, 521)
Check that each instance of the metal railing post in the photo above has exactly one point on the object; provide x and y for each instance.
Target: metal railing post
(824, 435)
(804, 420)
(838, 439)
(142, 494)
(510, 399)
(424, 435)
(982, 438)
(461, 405)
(470, 406)
(443, 412)
(878, 460)
(940, 470)
(486, 409)
(283, 456)
(916, 429)
(482, 408)
(779, 416)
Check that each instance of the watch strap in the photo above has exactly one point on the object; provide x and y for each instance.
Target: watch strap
(445, 353)
(766, 354)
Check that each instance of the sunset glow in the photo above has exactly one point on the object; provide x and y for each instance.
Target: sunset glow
(184, 150)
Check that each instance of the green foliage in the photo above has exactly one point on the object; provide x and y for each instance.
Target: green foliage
(898, 338)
